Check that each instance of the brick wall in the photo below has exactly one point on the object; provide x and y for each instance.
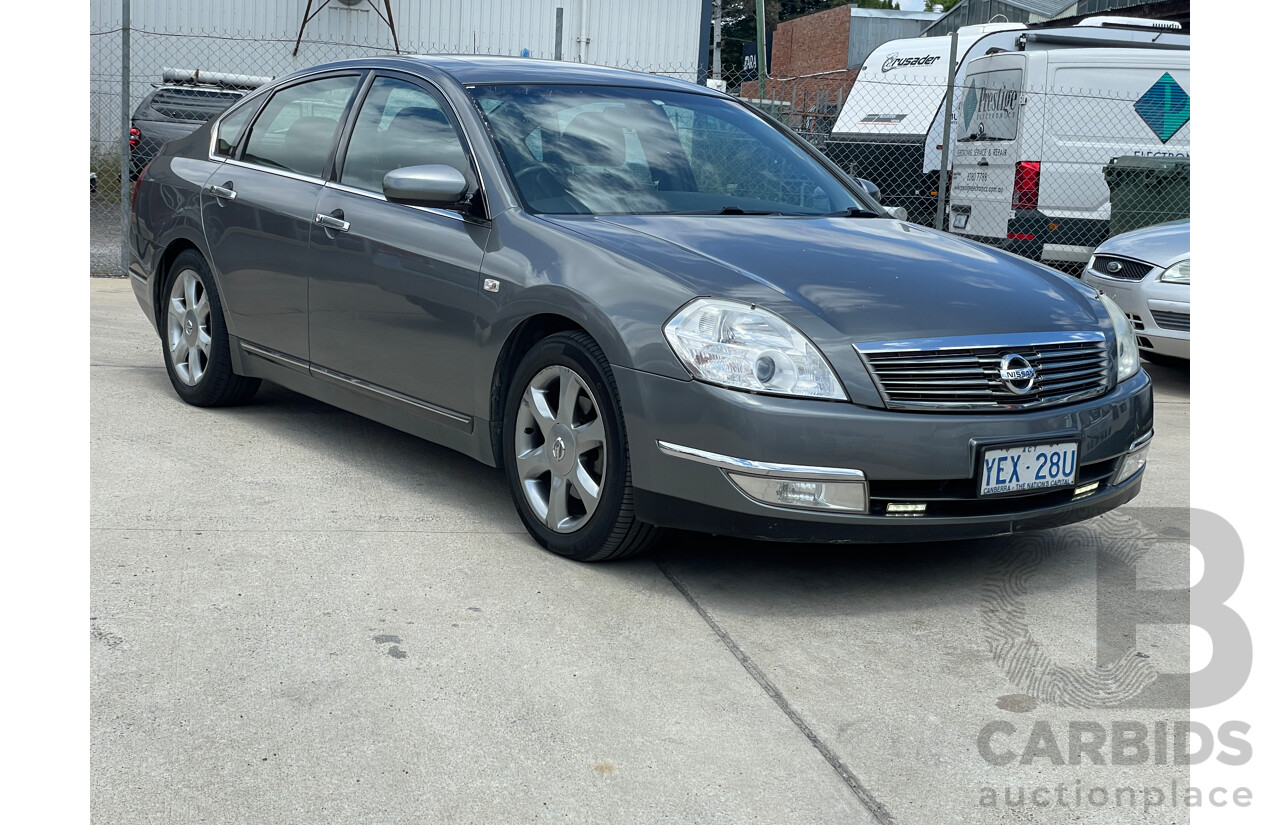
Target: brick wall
(813, 43)
(807, 70)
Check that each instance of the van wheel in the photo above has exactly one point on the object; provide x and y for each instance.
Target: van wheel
(566, 453)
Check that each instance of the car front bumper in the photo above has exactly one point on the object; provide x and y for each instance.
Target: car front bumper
(686, 438)
(1151, 306)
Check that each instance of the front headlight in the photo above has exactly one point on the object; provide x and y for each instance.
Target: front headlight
(1126, 341)
(748, 348)
(1179, 273)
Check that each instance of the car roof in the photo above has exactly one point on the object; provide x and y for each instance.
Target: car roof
(469, 70)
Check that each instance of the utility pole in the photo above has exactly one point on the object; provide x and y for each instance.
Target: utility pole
(762, 49)
(715, 39)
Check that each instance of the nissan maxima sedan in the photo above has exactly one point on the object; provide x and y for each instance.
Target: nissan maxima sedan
(1147, 272)
(652, 306)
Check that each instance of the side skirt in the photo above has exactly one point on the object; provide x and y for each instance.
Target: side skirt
(448, 428)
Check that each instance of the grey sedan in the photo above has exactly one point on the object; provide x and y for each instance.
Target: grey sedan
(650, 304)
(1148, 273)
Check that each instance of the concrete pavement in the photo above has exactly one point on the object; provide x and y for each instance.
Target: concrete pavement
(301, 616)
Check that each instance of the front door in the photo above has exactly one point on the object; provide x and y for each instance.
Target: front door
(394, 288)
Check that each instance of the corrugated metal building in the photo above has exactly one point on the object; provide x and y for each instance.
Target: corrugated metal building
(870, 28)
(976, 12)
(257, 37)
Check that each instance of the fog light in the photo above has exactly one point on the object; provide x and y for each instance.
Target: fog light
(845, 496)
(1134, 461)
(1086, 489)
(902, 508)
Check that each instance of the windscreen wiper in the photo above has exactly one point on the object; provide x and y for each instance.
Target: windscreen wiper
(853, 212)
(738, 210)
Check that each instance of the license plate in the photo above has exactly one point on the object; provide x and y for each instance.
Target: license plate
(1015, 469)
(959, 220)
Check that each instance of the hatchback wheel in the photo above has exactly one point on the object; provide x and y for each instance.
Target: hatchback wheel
(197, 352)
(566, 452)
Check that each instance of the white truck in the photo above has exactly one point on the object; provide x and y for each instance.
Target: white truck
(889, 129)
(1036, 130)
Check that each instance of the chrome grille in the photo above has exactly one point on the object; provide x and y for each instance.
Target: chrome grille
(1129, 270)
(1179, 321)
(957, 378)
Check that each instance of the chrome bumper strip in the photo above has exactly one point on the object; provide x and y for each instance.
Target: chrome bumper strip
(762, 468)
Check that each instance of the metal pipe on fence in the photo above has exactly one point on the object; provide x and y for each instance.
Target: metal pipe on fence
(761, 51)
(124, 137)
(944, 169)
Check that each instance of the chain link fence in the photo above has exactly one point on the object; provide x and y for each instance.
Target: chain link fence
(1045, 173)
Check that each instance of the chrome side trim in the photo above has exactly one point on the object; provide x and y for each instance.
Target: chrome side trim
(1021, 339)
(274, 355)
(1142, 442)
(351, 190)
(352, 382)
(761, 468)
(283, 173)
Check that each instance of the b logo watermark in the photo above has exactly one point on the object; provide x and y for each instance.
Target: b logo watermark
(1121, 676)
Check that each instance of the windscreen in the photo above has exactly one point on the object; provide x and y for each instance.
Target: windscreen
(618, 150)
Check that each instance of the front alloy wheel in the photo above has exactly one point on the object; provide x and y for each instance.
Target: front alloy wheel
(560, 452)
(565, 452)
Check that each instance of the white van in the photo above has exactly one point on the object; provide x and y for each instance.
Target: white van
(1035, 130)
(889, 129)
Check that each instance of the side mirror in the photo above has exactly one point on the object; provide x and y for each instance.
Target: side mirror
(872, 189)
(437, 185)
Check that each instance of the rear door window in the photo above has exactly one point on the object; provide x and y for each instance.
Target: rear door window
(230, 129)
(990, 104)
(296, 129)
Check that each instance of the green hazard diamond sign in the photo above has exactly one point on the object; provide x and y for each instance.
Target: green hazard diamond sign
(1165, 107)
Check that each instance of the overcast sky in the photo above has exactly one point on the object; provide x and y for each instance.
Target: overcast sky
(911, 5)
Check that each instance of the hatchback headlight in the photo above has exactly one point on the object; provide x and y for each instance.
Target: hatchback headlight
(748, 348)
(1126, 341)
(1179, 273)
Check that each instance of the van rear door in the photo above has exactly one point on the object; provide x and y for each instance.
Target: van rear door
(987, 147)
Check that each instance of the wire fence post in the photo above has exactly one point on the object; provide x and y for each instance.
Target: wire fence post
(124, 137)
(948, 111)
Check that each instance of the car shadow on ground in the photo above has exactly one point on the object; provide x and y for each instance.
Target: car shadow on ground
(744, 576)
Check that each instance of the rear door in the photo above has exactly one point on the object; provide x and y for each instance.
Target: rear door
(258, 209)
(988, 147)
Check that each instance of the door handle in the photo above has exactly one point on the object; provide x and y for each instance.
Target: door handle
(333, 222)
(222, 192)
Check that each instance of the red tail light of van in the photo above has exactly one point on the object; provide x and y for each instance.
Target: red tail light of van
(1026, 184)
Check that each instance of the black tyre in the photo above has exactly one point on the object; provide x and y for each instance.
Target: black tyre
(565, 445)
(197, 353)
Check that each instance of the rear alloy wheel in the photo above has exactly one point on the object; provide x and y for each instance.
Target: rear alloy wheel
(196, 348)
(566, 454)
